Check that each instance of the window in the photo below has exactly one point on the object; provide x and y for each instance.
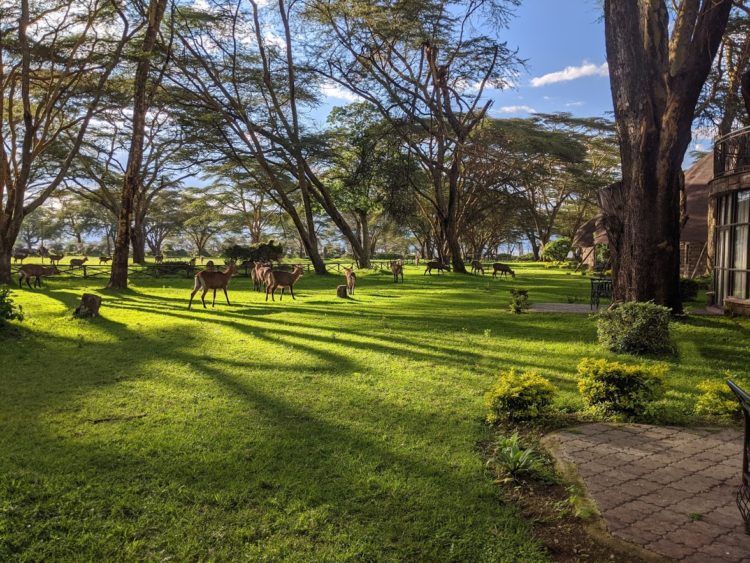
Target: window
(733, 246)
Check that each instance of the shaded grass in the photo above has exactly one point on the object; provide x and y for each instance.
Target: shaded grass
(312, 429)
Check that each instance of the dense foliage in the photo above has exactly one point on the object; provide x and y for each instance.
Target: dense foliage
(263, 252)
(617, 389)
(635, 328)
(519, 395)
(557, 250)
(9, 311)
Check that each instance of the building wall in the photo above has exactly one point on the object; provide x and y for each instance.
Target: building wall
(693, 258)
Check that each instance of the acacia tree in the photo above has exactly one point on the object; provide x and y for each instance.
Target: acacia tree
(144, 88)
(55, 59)
(656, 81)
(425, 68)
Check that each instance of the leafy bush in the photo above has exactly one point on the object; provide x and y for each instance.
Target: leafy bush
(265, 251)
(514, 461)
(675, 407)
(556, 250)
(9, 311)
(616, 389)
(689, 288)
(635, 328)
(716, 399)
(388, 256)
(519, 396)
(519, 300)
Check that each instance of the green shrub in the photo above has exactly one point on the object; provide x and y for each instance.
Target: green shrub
(513, 461)
(616, 389)
(635, 328)
(716, 399)
(557, 250)
(519, 300)
(519, 396)
(675, 407)
(9, 311)
(266, 251)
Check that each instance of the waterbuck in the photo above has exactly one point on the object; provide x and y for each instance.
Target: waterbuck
(28, 271)
(258, 274)
(435, 265)
(504, 269)
(397, 268)
(351, 279)
(476, 266)
(104, 259)
(78, 262)
(20, 257)
(278, 278)
(209, 279)
(55, 258)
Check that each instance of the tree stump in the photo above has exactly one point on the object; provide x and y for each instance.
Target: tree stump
(341, 291)
(89, 306)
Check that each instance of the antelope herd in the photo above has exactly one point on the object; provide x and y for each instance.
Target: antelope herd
(263, 274)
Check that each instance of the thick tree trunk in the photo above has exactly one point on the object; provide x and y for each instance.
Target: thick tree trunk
(138, 242)
(5, 261)
(364, 258)
(119, 278)
(656, 81)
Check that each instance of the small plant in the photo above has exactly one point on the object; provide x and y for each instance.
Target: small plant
(716, 399)
(519, 396)
(573, 299)
(619, 390)
(519, 300)
(513, 461)
(9, 311)
(635, 328)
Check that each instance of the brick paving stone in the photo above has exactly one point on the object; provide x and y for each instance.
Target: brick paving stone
(670, 490)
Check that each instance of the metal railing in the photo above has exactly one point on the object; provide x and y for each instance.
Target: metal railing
(732, 153)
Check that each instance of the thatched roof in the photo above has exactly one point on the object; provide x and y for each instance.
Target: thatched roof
(590, 233)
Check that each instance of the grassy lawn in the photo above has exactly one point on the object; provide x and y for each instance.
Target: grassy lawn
(312, 429)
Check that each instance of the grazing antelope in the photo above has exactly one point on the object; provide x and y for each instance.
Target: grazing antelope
(28, 271)
(209, 279)
(78, 262)
(476, 266)
(19, 257)
(278, 278)
(104, 259)
(504, 269)
(192, 261)
(258, 274)
(435, 265)
(397, 268)
(159, 258)
(55, 258)
(351, 279)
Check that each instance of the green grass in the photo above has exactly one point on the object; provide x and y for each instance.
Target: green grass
(315, 429)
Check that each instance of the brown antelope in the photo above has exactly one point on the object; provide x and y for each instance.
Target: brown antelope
(258, 274)
(55, 258)
(278, 278)
(28, 271)
(504, 269)
(397, 268)
(435, 265)
(192, 261)
(104, 259)
(209, 279)
(476, 266)
(159, 258)
(19, 257)
(351, 279)
(78, 262)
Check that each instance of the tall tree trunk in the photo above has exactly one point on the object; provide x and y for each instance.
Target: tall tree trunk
(656, 82)
(119, 278)
(364, 258)
(6, 252)
(138, 242)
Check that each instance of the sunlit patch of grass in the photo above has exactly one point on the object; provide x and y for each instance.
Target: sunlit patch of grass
(318, 428)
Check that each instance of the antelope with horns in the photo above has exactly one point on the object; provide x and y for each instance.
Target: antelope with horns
(55, 258)
(397, 268)
(504, 269)
(351, 279)
(278, 278)
(210, 279)
(28, 271)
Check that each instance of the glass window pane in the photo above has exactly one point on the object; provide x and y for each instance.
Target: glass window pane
(740, 247)
(725, 248)
(739, 287)
(743, 206)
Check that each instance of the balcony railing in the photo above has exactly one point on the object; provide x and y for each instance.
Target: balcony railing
(732, 153)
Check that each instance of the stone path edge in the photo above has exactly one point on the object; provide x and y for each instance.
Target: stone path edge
(595, 524)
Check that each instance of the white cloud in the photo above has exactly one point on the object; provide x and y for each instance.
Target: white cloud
(333, 90)
(571, 73)
(515, 109)
(574, 104)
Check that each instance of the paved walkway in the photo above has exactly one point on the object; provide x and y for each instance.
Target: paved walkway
(670, 490)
